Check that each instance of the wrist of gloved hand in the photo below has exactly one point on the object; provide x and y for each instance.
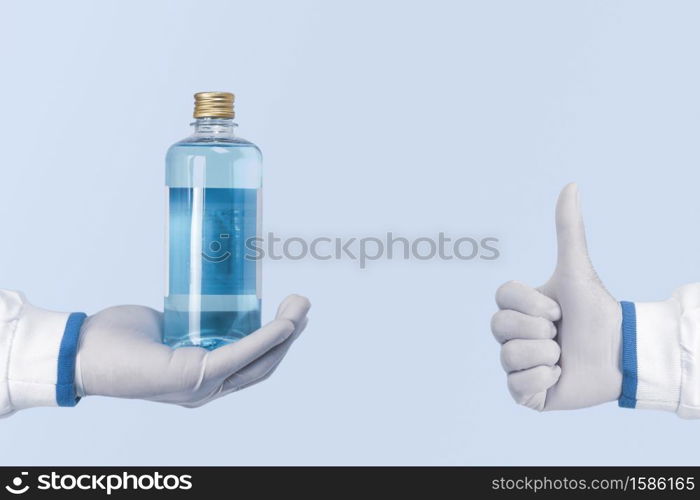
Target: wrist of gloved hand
(652, 354)
(38, 347)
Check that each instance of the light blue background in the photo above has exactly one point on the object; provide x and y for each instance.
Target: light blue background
(416, 117)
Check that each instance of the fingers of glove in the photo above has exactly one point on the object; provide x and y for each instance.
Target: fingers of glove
(527, 300)
(236, 382)
(265, 365)
(301, 326)
(228, 359)
(294, 308)
(262, 368)
(507, 325)
(521, 354)
(255, 372)
(244, 372)
(529, 387)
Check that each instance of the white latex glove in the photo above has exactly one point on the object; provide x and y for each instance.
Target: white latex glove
(561, 341)
(121, 355)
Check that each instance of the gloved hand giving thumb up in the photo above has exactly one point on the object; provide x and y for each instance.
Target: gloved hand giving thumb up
(561, 342)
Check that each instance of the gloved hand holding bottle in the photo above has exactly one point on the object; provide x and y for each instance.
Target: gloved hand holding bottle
(208, 343)
(570, 344)
(50, 358)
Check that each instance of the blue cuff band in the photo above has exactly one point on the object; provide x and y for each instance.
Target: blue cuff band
(65, 379)
(628, 397)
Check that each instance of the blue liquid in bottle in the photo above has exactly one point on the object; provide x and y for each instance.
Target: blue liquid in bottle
(214, 182)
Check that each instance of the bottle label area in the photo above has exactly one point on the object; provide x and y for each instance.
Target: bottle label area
(208, 230)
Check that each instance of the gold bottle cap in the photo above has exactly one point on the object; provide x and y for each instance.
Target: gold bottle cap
(214, 105)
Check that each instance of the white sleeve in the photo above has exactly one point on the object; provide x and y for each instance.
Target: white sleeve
(661, 353)
(37, 355)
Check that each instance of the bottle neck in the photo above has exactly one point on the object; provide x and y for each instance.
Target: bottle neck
(215, 128)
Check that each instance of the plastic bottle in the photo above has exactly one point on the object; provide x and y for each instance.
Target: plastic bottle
(214, 182)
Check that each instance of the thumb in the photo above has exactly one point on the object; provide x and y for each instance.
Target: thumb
(572, 251)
